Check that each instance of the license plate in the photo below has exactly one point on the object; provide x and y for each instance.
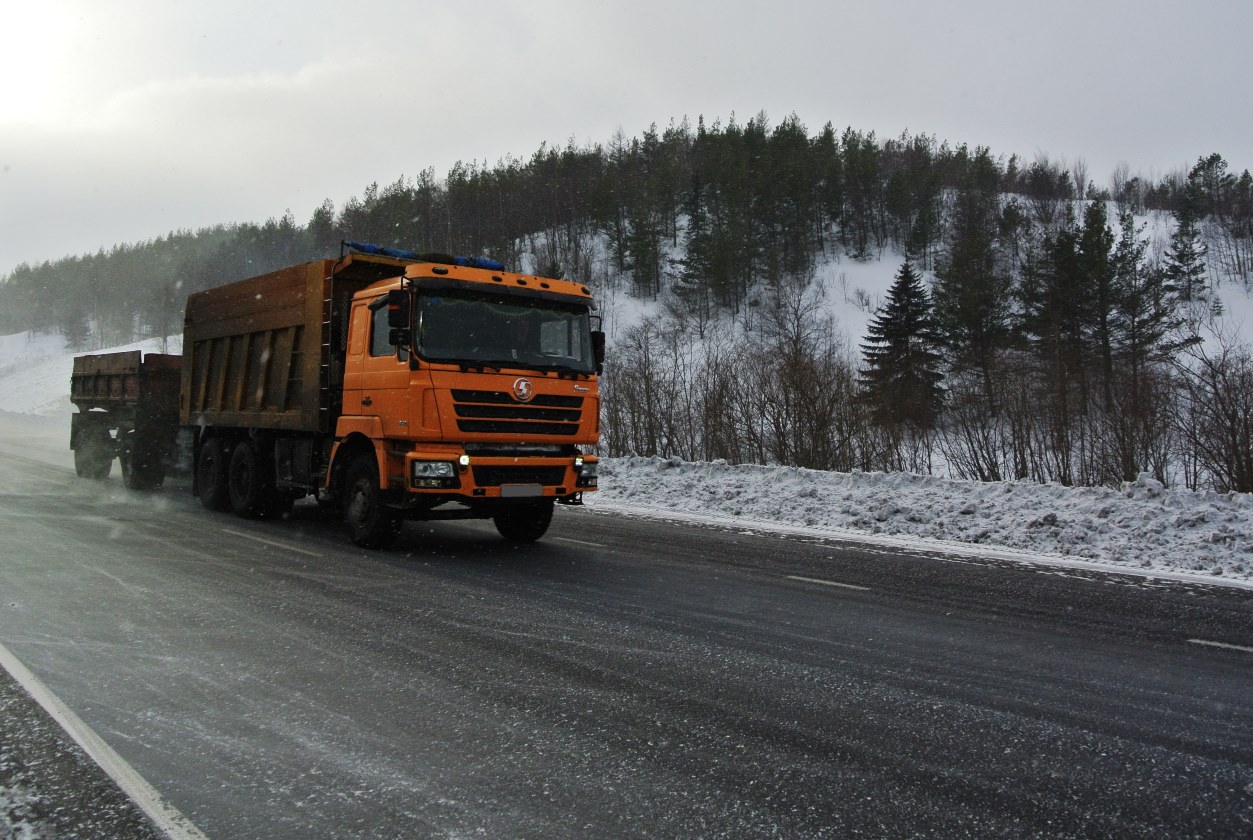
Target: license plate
(518, 491)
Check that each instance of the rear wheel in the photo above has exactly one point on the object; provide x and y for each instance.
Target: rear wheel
(247, 484)
(369, 521)
(211, 475)
(93, 453)
(524, 523)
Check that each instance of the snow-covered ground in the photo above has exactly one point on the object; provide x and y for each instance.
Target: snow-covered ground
(1143, 527)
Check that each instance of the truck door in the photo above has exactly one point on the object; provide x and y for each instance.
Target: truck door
(385, 377)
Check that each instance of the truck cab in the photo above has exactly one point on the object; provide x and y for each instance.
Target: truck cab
(473, 392)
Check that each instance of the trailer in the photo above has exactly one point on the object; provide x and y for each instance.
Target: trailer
(127, 409)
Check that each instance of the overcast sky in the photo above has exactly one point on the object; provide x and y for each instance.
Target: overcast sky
(121, 121)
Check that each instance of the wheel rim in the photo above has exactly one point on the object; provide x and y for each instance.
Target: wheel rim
(360, 505)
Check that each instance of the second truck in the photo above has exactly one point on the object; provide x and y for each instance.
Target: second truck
(389, 385)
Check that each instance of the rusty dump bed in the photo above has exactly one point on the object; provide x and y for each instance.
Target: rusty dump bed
(267, 352)
(128, 380)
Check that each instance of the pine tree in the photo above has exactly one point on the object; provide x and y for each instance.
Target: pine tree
(1145, 314)
(972, 292)
(902, 376)
(1184, 263)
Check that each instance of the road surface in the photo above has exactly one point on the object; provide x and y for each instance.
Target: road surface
(623, 678)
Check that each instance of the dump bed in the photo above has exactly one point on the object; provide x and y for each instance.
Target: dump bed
(267, 352)
(126, 381)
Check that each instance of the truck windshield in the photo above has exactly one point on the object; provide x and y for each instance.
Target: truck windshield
(500, 331)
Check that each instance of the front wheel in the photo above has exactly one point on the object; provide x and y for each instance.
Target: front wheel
(370, 523)
(139, 473)
(524, 523)
(142, 467)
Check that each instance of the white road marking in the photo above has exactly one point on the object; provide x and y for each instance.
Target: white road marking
(1222, 645)
(580, 542)
(828, 583)
(167, 818)
(271, 542)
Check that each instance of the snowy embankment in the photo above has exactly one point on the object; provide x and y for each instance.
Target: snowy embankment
(1142, 527)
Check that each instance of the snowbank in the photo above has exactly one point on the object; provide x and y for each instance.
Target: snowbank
(1143, 526)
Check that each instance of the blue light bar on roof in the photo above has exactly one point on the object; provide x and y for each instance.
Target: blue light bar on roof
(401, 254)
(480, 262)
(382, 251)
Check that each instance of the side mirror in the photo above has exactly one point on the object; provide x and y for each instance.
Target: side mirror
(398, 309)
(598, 349)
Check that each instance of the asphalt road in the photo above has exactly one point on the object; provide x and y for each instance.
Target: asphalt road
(623, 678)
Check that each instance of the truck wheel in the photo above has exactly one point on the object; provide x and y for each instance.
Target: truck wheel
(141, 469)
(247, 483)
(211, 475)
(93, 454)
(370, 523)
(524, 523)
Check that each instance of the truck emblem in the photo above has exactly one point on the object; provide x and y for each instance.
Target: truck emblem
(523, 390)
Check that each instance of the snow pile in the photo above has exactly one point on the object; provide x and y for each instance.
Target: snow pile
(1142, 526)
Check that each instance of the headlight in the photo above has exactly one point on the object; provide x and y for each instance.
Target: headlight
(586, 474)
(433, 469)
(434, 474)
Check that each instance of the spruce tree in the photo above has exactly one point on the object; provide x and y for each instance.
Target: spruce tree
(902, 376)
(972, 292)
(1184, 263)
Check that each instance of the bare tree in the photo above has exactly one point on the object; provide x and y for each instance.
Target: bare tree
(1214, 417)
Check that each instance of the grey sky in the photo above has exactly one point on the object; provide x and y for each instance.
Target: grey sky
(121, 121)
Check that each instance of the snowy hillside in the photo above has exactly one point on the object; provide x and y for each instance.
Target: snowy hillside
(1142, 528)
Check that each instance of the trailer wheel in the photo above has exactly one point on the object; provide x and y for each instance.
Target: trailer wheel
(139, 474)
(141, 468)
(93, 453)
(524, 523)
(370, 523)
(211, 476)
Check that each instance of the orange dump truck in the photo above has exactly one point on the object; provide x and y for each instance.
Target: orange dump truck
(389, 385)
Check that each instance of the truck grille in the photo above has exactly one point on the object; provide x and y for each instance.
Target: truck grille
(488, 476)
(497, 412)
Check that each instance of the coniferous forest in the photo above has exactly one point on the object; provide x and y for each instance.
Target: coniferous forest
(1034, 330)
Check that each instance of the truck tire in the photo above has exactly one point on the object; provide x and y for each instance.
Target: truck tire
(524, 523)
(139, 474)
(370, 523)
(93, 453)
(246, 483)
(141, 468)
(211, 475)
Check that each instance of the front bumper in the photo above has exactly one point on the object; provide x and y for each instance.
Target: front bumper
(494, 477)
